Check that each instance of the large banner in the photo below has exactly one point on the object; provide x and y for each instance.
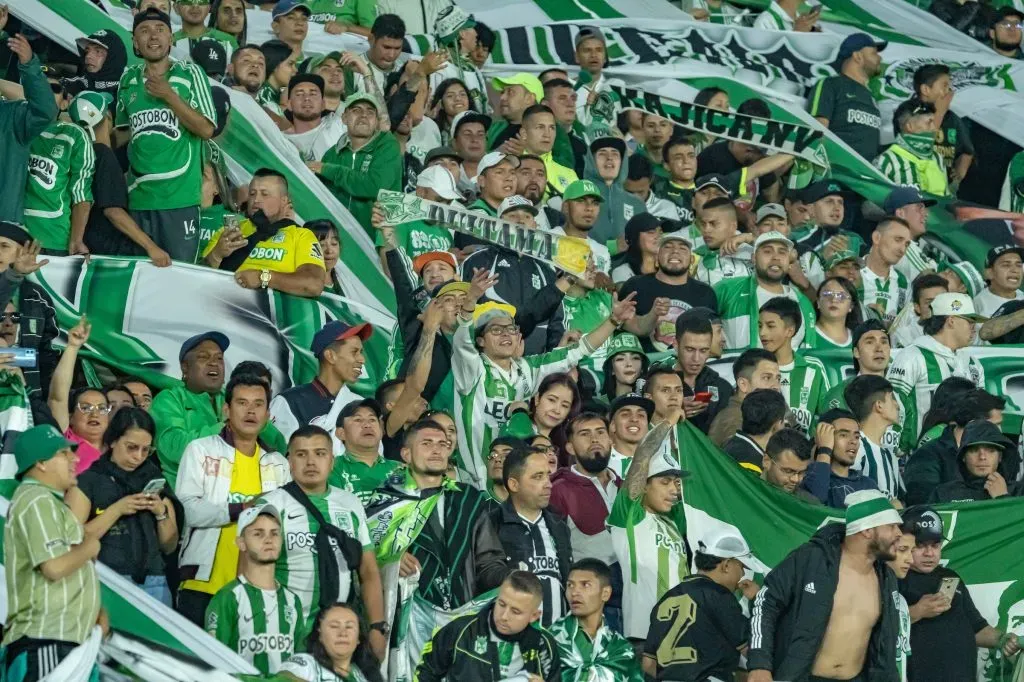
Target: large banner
(984, 539)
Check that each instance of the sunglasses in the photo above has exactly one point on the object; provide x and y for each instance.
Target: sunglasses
(12, 317)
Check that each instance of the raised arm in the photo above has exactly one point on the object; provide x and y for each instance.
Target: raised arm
(63, 375)
(636, 477)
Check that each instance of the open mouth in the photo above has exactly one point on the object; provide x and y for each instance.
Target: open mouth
(633, 429)
(93, 421)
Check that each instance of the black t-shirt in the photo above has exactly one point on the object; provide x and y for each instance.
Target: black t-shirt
(682, 297)
(109, 190)
(943, 647)
(953, 139)
(851, 112)
(716, 158)
(1015, 336)
(697, 630)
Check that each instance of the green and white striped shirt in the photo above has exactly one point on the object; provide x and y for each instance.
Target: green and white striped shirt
(889, 294)
(903, 168)
(881, 463)
(297, 565)
(306, 668)
(804, 386)
(261, 626)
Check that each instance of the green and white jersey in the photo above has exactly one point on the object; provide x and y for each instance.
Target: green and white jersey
(483, 391)
(889, 294)
(269, 98)
(60, 169)
(881, 462)
(306, 668)
(261, 626)
(713, 267)
(774, 19)
(353, 476)
(804, 386)
(652, 552)
(903, 167)
(824, 342)
(914, 262)
(585, 315)
(417, 238)
(1011, 198)
(226, 40)
(297, 565)
(903, 638)
(915, 373)
(166, 159)
(739, 301)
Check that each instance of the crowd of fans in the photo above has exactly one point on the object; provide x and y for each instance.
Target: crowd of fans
(527, 443)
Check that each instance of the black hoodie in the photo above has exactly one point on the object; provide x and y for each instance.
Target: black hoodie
(109, 75)
(971, 488)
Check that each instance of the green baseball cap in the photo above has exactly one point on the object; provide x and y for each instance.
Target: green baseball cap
(580, 189)
(38, 444)
(838, 257)
(88, 108)
(361, 97)
(313, 63)
(623, 343)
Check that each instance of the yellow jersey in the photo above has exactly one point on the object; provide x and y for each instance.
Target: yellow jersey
(286, 251)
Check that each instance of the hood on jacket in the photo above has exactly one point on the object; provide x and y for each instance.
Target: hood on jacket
(830, 537)
(109, 75)
(616, 198)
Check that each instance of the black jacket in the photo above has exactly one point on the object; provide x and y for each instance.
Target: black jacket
(515, 537)
(792, 610)
(38, 328)
(464, 649)
(708, 381)
(745, 451)
(931, 465)
(967, 487)
(972, 18)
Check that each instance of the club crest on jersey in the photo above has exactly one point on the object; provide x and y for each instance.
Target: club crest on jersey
(57, 152)
(155, 122)
(44, 170)
(480, 645)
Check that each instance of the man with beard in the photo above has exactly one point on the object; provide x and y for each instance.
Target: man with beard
(369, 161)
(268, 250)
(531, 181)
(516, 94)
(248, 69)
(844, 104)
(836, 444)
(330, 68)
(755, 368)
(851, 628)
(469, 140)
(193, 29)
(168, 124)
(785, 463)
(607, 169)
(1005, 32)
(314, 131)
(883, 288)
(560, 95)
(664, 295)
(338, 348)
(384, 56)
(103, 60)
(740, 299)
(630, 418)
(909, 204)
(705, 392)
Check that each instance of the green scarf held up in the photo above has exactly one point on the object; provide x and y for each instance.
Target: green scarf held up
(921, 145)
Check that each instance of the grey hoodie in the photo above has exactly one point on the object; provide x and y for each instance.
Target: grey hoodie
(618, 207)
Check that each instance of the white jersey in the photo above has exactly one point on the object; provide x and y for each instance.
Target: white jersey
(313, 144)
(306, 668)
(888, 294)
(713, 267)
(774, 19)
(881, 463)
(914, 262)
(987, 303)
(903, 639)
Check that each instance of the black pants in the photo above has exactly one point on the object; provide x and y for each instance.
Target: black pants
(858, 678)
(192, 605)
(30, 660)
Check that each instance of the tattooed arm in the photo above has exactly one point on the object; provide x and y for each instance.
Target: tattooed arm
(1002, 325)
(636, 477)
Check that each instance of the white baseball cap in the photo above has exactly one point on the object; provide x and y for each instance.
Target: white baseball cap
(516, 202)
(492, 159)
(956, 305)
(249, 515)
(662, 464)
(439, 179)
(774, 210)
(725, 543)
(771, 236)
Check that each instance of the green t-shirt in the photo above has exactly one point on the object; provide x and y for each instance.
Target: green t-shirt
(851, 112)
(60, 171)
(952, 140)
(681, 197)
(166, 159)
(226, 40)
(358, 478)
(586, 314)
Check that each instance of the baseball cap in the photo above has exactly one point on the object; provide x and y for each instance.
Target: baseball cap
(513, 442)
(450, 21)
(310, 78)
(855, 42)
(350, 409)
(336, 330)
(816, 191)
(677, 236)
(632, 400)
(663, 465)
(94, 38)
(469, 116)
(840, 256)
(362, 97)
(640, 223)
(616, 143)
(712, 180)
(956, 305)
(250, 514)
(423, 259)
(488, 312)
(211, 57)
(218, 338)
(623, 342)
(527, 80)
(905, 195)
(867, 509)
(38, 444)
(924, 523)
(150, 14)
(88, 108)
(997, 251)
(440, 180)
(492, 159)
(516, 202)
(771, 210)
(581, 188)
(588, 32)
(444, 152)
(452, 286)
(1006, 11)
(313, 63)
(15, 232)
(284, 7)
(982, 432)
(725, 543)
(771, 236)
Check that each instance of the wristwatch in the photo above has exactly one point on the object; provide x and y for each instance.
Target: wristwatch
(264, 279)
(381, 626)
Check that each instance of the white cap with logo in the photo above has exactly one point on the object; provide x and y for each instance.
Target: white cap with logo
(516, 202)
(771, 236)
(726, 543)
(492, 159)
(956, 305)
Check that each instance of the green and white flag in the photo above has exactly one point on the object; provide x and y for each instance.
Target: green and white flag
(984, 539)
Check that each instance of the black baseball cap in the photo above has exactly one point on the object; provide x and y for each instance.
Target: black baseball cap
(924, 523)
(631, 400)
(350, 409)
(997, 251)
(855, 42)
(310, 78)
(150, 14)
(445, 152)
(816, 191)
(14, 232)
(716, 179)
(865, 327)
(211, 57)
(218, 338)
(640, 223)
(616, 143)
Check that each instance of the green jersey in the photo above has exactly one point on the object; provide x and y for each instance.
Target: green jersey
(262, 626)
(60, 167)
(351, 475)
(804, 385)
(297, 565)
(417, 238)
(269, 98)
(608, 657)
(323, 11)
(166, 158)
(586, 314)
(851, 112)
(679, 196)
(226, 40)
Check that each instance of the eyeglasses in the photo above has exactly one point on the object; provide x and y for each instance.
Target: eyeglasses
(497, 457)
(1010, 25)
(86, 408)
(835, 295)
(504, 330)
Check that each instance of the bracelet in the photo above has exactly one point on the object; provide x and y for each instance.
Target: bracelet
(162, 518)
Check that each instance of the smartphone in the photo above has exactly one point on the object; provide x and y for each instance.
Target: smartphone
(947, 588)
(155, 486)
(702, 397)
(23, 357)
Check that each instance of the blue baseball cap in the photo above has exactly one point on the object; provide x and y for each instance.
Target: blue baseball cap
(338, 331)
(905, 195)
(284, 7)
(855, 42)
(221, 340)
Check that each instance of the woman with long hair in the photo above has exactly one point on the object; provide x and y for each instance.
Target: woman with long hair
(837, 307)
(337, 648)
(229, 16)
(330, 246)
(712, 97)
(625, 363)
(451, 98)
(555, 404)
(121, 500)
(82, 414)
(643, 239)
(945, 404)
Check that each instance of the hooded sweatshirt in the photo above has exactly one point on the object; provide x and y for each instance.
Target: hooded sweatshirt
(355, 177)
(618, 206)
(579, 498)
(971, 488)
(109, 75)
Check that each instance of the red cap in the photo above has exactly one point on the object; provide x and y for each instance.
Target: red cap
(421, 260)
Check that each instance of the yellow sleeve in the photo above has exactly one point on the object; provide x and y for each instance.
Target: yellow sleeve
(307, 249)
(212, 244)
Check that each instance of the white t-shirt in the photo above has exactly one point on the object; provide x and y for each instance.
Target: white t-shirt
(313, 144)
(424, 137)
(987, 303)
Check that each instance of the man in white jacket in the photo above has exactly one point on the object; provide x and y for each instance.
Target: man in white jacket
(218, 477)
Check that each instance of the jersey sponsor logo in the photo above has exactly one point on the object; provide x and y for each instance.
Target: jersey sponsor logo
(155, 122)
(44, 170)
(266, 253)
(543, 564)
(669, 542)
(306, 540)
(58, 151)
(480, 645)
(265, 643)
(864, 118)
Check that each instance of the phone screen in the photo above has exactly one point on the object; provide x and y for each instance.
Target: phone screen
(154, 486)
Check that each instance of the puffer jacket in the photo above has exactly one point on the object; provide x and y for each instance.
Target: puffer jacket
(618, 206)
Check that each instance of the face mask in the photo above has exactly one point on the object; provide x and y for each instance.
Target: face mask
(920, 145)
(595, 464)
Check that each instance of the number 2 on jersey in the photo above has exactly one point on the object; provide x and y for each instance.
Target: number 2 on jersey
(684, 611)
